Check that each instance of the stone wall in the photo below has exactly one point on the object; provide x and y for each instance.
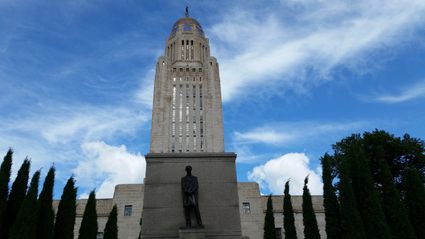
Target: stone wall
(251, 222)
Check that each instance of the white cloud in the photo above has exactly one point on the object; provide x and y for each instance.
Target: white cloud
(294, 166)
(72, 137)
(289, 132)
(107, 166)
(413, 92)
(268, 50)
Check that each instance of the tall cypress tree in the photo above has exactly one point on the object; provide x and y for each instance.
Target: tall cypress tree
(88, 228)
(46, 215)
(288, 215)
(367, 198)
(111, 227)
(16, 197)
(351, 222)
(5, 169)
(26, 221)
(269, 226)
(65, 217)
(414, 200)
(330, 201)
(311, 230)
(394, 210)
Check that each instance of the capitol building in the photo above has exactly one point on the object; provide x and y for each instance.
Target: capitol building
(187, 130)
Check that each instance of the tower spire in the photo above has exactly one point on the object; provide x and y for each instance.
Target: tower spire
(187, 11)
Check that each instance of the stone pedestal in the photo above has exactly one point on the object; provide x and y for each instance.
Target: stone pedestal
(192, 233)
(163, 212)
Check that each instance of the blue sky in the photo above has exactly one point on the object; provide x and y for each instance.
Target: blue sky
(297, 76)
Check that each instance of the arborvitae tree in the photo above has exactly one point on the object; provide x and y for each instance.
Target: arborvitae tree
(394, 210)
(311, 230)
(330, 201)
(111, 227)
(288, 215)
(351, 222)
(414, 200)
(367, 198)
(269, 226)
(65, 217)
(6, 165)
(88, 228)
(16, 197)
(25, 223)
(46, 215)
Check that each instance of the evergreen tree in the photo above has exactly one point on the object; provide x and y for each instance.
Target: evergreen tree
(46, 215)
(4, 181)
(111, 228)
(351, 222)
(269, 226)
(330, 201)
(25, 223)
(415, 200)
(65, 217)
(15, 199)
(367, 199)
(288, 215)
(394, 210)
(311, 230)
(88, 228)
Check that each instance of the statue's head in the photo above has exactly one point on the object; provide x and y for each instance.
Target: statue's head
(189, 169)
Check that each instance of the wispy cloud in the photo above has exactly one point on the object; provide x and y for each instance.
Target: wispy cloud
(291, 132)
(72, 137)
(413, 92)
(298, 52)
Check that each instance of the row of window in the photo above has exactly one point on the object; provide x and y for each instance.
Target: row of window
(187, 112)
(187, 69)
(187, 51)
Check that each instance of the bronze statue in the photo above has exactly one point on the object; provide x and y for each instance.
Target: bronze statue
(189, 185)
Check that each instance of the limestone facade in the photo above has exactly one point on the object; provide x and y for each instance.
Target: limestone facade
(252, 218)
(187, 113)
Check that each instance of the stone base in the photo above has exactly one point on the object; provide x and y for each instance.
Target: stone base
(192, 233)
(163, 212)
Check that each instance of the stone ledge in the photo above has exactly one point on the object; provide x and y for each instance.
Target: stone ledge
(192, 233)
(192, 155)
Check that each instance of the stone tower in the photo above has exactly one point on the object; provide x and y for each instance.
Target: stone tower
(187, 113)
(187, 130)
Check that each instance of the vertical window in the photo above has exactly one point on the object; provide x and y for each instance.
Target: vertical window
(194, 97)
(187, 141)
(200, 97)
(173, 114)
(182, 52)
(191, 50)
(180, 143)
(128, 210)
(194, 143)
(187, 49)
(246, 207)
(202, 143)
(180, 109)
(278, 233)
(187, 102)
(99, 235)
